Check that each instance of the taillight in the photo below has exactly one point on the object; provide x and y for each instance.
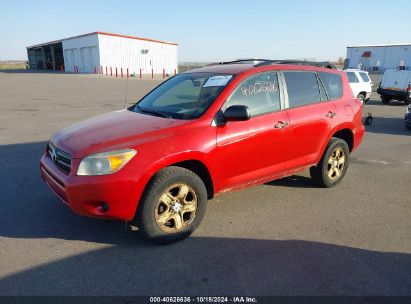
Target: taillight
(409, 87)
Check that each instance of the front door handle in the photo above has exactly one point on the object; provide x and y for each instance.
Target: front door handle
(330, 114)
(281, 125)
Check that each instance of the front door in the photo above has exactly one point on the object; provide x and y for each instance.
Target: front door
(256, 149)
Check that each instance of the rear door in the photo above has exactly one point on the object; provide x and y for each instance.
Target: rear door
(311, 117)
(255, 149)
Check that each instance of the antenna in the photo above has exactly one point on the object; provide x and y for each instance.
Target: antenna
(125, 93)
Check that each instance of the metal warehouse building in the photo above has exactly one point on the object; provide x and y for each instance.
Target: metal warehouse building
(377, 58)
(101, 52)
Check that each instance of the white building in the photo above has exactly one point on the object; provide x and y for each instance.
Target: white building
(101, 52)
(379, 57)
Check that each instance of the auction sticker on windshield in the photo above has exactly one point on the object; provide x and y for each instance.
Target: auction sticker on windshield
(217, 81)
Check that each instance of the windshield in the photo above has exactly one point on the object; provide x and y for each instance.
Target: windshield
(185, 96)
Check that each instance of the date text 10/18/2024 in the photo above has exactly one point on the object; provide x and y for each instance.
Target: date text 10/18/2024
(203, 300)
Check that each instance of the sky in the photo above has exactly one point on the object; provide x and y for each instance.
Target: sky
(211, 30)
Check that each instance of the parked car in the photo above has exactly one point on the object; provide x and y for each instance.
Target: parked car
(200, 133)
(395, 84)
(407, 118)
(360, 84)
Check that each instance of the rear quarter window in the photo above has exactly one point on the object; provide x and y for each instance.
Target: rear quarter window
(302, 88)
(333, 84)
(365, 77)
(352, 78)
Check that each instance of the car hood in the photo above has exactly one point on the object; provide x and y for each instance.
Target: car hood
(113, 131)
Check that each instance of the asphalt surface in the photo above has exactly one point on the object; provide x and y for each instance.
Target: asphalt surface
(286, 237)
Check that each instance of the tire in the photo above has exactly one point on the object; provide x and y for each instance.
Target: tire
(361, 97)
(165, 220)
(385, 99)
(321, 173)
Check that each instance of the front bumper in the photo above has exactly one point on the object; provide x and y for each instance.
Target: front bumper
(85, 195)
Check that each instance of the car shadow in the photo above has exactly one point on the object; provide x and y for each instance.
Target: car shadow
(384, 125)
(216, 266)
(116, 261)
(294, 181)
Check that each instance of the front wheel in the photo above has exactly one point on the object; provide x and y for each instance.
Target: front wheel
(172, 206)
(333, 164)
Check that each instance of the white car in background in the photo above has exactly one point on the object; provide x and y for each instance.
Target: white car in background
(360, 83)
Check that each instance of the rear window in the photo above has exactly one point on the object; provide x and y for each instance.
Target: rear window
(352, 78)
(365, 77)
(332, 83)
(302, 88)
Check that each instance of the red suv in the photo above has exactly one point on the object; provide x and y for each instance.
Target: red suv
(206, 131)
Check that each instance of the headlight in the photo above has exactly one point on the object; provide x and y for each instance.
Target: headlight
(105, 163)
(408, 110)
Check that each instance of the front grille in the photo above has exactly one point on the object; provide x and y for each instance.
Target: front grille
(61, 159)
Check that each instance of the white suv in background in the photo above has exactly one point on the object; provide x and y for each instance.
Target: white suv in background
(360, 83)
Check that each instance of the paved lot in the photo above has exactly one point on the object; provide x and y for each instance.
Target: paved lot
(283, 238)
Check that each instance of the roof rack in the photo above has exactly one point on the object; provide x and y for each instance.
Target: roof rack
(264, 62)
(321, 64)
(247, 60)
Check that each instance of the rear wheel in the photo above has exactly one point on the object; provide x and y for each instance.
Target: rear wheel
(172, 206)
(333, 164)
(361, 97)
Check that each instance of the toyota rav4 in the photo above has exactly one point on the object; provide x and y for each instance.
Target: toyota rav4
(209, 130)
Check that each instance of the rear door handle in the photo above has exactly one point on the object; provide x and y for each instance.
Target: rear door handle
(330, 114)
(281, 125)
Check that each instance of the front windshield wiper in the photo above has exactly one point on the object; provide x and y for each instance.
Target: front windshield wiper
(153, 112)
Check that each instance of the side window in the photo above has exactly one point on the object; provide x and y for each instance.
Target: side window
(365, 77)
(259, 92)
(333, 84)
(302, 88)
(352, 78)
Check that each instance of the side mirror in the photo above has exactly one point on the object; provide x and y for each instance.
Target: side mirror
(237, 113)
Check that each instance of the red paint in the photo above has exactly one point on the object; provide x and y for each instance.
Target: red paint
(236, 155)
